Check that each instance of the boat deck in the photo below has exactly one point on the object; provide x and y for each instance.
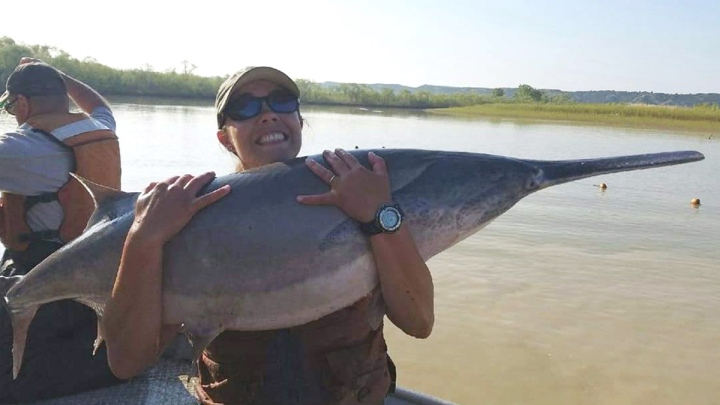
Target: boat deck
(170, 382)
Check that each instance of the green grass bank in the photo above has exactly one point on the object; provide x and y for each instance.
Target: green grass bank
(699, 118)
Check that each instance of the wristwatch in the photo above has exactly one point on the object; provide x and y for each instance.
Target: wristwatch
(388, 219)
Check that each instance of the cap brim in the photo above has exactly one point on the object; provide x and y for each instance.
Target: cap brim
(269, 74)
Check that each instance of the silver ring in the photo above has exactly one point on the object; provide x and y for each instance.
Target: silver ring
(331, 179)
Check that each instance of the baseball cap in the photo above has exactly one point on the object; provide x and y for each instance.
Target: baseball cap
(34, 79)
(247, 75)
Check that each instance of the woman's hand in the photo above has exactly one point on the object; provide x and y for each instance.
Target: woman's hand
(357, 191)
(164, 208)
(133, 323)
(405, 280)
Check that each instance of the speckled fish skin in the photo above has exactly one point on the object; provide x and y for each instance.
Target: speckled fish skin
(258, 260)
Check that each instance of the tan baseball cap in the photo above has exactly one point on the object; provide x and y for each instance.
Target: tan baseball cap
(247, 75)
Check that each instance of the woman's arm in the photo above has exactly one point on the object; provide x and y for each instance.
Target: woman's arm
(132, 324)
(405, 280)
(406, 283)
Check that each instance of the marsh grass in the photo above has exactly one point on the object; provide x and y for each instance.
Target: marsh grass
(698, 118)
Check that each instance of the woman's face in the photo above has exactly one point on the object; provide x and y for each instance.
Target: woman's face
(266, 138)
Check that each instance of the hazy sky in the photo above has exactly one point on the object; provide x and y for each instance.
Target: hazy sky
(660, 45)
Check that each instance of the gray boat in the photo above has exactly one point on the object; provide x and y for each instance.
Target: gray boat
(170, 382)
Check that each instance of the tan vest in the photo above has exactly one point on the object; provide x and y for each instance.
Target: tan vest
(97, 158)
(339, 359)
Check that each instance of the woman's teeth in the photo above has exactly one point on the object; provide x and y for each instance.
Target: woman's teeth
(270, 138)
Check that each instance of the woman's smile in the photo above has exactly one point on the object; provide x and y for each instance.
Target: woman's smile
(272, 139)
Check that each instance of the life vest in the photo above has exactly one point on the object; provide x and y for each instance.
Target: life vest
(96, 155)
(340, 359)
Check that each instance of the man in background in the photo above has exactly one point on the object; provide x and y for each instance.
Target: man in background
(42, 208)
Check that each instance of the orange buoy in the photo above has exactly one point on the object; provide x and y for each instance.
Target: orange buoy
(695, 202)
(602, 186)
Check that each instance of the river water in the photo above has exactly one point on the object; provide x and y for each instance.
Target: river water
(574, 296)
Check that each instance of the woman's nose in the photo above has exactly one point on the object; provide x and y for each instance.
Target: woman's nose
(267, 114)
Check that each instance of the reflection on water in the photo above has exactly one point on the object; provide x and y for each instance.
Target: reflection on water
(575, 296)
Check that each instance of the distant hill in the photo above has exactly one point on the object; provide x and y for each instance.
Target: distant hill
(598, 96)
(608, 96)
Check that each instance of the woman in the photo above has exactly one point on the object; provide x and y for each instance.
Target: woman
(338, 359)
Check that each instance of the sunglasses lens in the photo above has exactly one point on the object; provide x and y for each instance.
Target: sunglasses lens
(283, 103)
(243, 108)
(7, 106)
(247, 107)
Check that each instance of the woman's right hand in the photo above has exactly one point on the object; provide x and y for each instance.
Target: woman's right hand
(165, 207)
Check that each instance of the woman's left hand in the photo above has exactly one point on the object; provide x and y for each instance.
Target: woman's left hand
(357, 191)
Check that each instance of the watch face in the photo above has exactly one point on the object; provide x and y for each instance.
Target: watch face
(390, 219)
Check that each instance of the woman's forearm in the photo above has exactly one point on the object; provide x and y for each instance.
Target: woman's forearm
(132, 324)
(406, 283)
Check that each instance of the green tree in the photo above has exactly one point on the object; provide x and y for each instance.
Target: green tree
(526, 93)
(562, 99)
(498, 92)
(387, 97)
(10, 54)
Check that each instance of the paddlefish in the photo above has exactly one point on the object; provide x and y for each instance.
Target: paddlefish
(259, 260)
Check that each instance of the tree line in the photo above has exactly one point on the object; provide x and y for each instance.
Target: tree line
(108, 81)
(145, 81)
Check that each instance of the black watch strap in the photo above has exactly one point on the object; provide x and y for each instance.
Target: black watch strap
(371, 228)
(374, 227)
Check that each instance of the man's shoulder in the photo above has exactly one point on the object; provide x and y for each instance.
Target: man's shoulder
(104, 116)
(11, 134)
(9, 141)
(14, 136)
(101, 112)
(22, 142)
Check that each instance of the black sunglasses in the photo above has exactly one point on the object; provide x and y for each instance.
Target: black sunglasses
(247, 106)
(8, 106)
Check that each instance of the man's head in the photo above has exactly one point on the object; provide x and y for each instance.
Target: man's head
(34, 88)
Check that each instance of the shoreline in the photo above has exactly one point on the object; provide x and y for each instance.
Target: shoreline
(200, 101)
(697, 119)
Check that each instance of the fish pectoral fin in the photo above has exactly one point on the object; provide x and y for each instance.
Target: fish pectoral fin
(6, 283)
(199, 340)
(21, 319)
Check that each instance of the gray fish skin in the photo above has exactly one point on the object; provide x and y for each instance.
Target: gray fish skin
(259, 260)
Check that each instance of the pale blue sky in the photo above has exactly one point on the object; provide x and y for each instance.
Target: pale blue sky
(661, 46)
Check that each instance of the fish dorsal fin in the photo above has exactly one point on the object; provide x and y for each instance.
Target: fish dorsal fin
(99, 193)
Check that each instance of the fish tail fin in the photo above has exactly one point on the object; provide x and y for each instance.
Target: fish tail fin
(21, 319)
